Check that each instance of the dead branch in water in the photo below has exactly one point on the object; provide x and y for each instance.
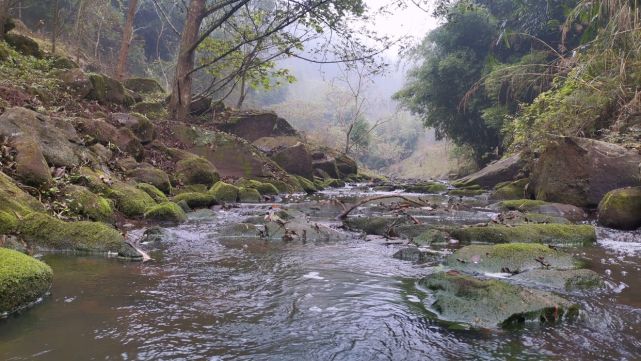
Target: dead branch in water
(345, 213)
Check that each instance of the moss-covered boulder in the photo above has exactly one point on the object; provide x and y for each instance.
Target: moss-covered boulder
(466, 192)
(307, 185)
(24, 45)
(509, 258)
(151, 175)
(621, 208)
(43, 231)
(266, 189)
(195, 199)
(428, 187)
(14, 201)
(107, 90)
(224, 192)
(130, 200)
(510, 190)
(8, 223)
(152, 110)
(196, 170)
(560, 234)
(75, 82)
(63, 62)
(143, 85)
(492, 303)
(504, 170)
(23, 280)
(255, 125)
(334, 183)
(567, 211)
(31, 166)
(166, 212)
(565, 280)
(249, 195)
(139, 124)
(107, 134)
(156, 194)
(88, 204)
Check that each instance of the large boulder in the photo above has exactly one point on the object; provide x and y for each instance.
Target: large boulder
(137, 123)
(88, 204)
(491, 303)
(504, 170)
(24, 45)
(23, 280)
(76, 82)
(146, 173)
(107, 90)
(55, 136)
(621, 208)
(196, 170)
(553, 234)
(252, 126)
(106, 134)
(143, 85)
(581, 171)
(293, 157)
(31, 166)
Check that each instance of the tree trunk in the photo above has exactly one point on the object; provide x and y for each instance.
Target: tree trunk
(54, 27)
(127, 35)
(181, 87)
(347, 138)
(243, 92)
(4, 16)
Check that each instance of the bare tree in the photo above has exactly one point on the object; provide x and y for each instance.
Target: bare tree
(127, 36)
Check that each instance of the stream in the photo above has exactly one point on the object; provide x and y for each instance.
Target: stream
(211, 296)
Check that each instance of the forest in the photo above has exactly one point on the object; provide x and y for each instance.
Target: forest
(320, 179)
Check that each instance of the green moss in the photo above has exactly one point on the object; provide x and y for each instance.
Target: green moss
(568, 280)
(281, 186)
(522, 205)
(510, 190)
(224, 192)
(166, 212)
(44, 231)
(151, 110)
(249, 195)
(465, 192)
(621, 208)
(156, 194)
(333, 183)
(431, 236)
(8, 223)
(23, 280)
(196, 170)
(265, 189)
(193, 188)
(14, 200)
(564, 234)
(84, 202)
(131, 201)
(509, 257)
(307, 185)
(196, 199)
(375, 225)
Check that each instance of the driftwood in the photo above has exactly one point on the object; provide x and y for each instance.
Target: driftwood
(347, 211)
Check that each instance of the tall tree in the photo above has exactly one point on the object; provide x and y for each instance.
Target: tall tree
(127, 36)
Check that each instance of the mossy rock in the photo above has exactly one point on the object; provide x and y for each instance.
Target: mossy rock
(44, 231)
(307, 185)
(509, 258)
(88, 204)
(333, 183)
(138, 123)
(196, 170)
(510, 190)
(224, 192)
(166, 212)
(8, 223)
(568, 211)
(281, 186)
(154, 176)
(413, 254)
(492, 303)
(196, 199)
(131, 201)
(249, 195)
(62, 62)
(426, 188)
(107, 90)
(14, 200)
(621, 208)
(566, 280)
(24, 45)
(516, 218)
(266, 189)
(143, 85)
(23, 280)
(431, 236)
(156, 194)
(559, 234)
(151, 110)
(192, 188)
(466, 192)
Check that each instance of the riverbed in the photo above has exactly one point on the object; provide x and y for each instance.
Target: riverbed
(211, 296)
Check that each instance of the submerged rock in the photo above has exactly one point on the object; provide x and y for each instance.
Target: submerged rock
(413, 254)
(581, 171)
(621, 209)
(491, 303)
(567, 280)
(563, 234)
(23, 280)
(509, 258)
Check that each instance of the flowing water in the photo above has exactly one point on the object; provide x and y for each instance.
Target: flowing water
(207, 296)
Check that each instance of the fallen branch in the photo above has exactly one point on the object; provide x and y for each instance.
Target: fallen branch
(345, 213)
